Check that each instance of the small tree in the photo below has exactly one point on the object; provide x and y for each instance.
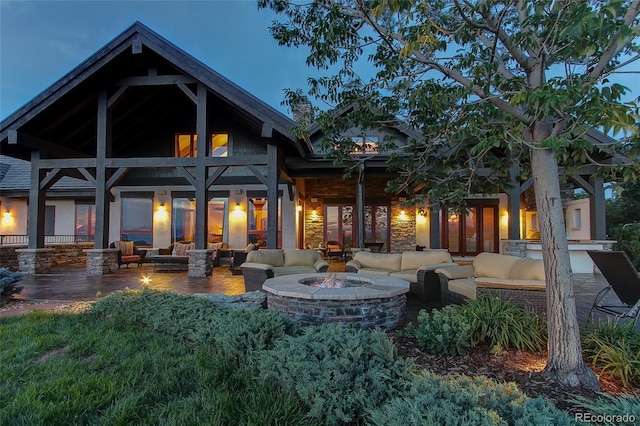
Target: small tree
(489, 84)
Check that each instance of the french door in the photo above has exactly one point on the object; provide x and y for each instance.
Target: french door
(340, 224)
(471, 231)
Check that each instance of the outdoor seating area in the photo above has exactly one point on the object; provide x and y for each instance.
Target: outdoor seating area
(263, 264)
(517, 279)
(416, 267)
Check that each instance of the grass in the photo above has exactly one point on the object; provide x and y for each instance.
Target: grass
(85, 369)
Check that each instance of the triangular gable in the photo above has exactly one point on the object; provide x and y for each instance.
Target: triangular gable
(136, 37)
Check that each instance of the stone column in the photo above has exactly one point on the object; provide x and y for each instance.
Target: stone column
(35, 261)
(101, 261)
(200, 263)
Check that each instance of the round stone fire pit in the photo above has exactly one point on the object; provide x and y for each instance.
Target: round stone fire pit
(367, 300)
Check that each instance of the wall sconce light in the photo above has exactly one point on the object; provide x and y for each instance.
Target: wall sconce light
(237, 207)
(422, 212)
(162, 208)
(299, 207)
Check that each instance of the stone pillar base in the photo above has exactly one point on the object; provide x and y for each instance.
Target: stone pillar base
(515, 247)
(101, 261)
(35, 261)
(200, 263)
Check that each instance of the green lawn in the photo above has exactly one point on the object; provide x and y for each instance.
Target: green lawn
(84, 369)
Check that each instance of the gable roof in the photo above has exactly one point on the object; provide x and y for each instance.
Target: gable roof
(137, 37)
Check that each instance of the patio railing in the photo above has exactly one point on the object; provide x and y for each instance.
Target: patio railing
(23, 240)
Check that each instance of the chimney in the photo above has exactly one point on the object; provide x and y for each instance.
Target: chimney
(303, 112)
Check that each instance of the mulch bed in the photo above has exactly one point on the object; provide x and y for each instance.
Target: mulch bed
(523, 368)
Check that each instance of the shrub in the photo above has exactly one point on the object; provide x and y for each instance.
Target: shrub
(615, 349)
(463, 400)
(338, 371)
(628, 240)
(7, 284)
(502, 325)
(236, 334)
(624, 409)
(442, 331)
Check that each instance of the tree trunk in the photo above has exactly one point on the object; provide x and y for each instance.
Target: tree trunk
(564, 362)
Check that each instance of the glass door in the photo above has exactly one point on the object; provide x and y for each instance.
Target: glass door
(471, 231)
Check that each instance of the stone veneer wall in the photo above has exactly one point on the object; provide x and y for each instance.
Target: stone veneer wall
(387, 313)
(64, 254)
(343, 191)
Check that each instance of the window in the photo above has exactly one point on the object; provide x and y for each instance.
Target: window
(137, 221)
(184, 220)
(340, 224)
(85, 226)
(258, 221)
(187, 145)
(365, 144)
(577, 219)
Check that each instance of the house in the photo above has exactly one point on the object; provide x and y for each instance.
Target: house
(114, 151)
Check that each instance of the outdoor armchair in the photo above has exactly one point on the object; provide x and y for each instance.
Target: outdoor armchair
(128, 253)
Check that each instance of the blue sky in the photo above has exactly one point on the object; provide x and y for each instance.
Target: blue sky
(40, 41)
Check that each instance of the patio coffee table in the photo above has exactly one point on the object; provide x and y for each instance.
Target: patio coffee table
(168, 262)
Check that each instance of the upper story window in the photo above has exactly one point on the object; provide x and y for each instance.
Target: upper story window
(187, 145)
(365, 144)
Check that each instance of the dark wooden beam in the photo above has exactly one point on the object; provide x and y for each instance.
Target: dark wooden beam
(185, 89)
(159, 80)
(44, 146)
(36, 204)
(256, 171)
(116, 176)
(87, 175)
(582, 183)
(434, 226)
(360, 203)
(272, 196)
(597, 209)
(217, 172)
(136, 45)
(187, 175)
(114, 98)
(202, 199)
(51, 178)
(102, 200)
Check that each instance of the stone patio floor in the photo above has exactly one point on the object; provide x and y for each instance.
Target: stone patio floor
(71, 284)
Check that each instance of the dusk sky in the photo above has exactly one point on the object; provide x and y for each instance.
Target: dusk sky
(40, 41)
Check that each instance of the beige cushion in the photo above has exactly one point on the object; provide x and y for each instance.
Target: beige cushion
(290, 270)
(528, 269)
(181, 248)
(374, 271)
(271, 257)
(300, 257)
(125, 247)
(464, 286)
(416, 259)
(509, 283)
(217, 246)
(493, 265)
(411, 276)
(388, 261)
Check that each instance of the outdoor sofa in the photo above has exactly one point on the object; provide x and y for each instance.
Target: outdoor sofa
(268, 263)
(520, 280)
(417, 267)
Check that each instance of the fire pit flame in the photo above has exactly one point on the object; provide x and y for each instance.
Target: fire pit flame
(333, 281)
